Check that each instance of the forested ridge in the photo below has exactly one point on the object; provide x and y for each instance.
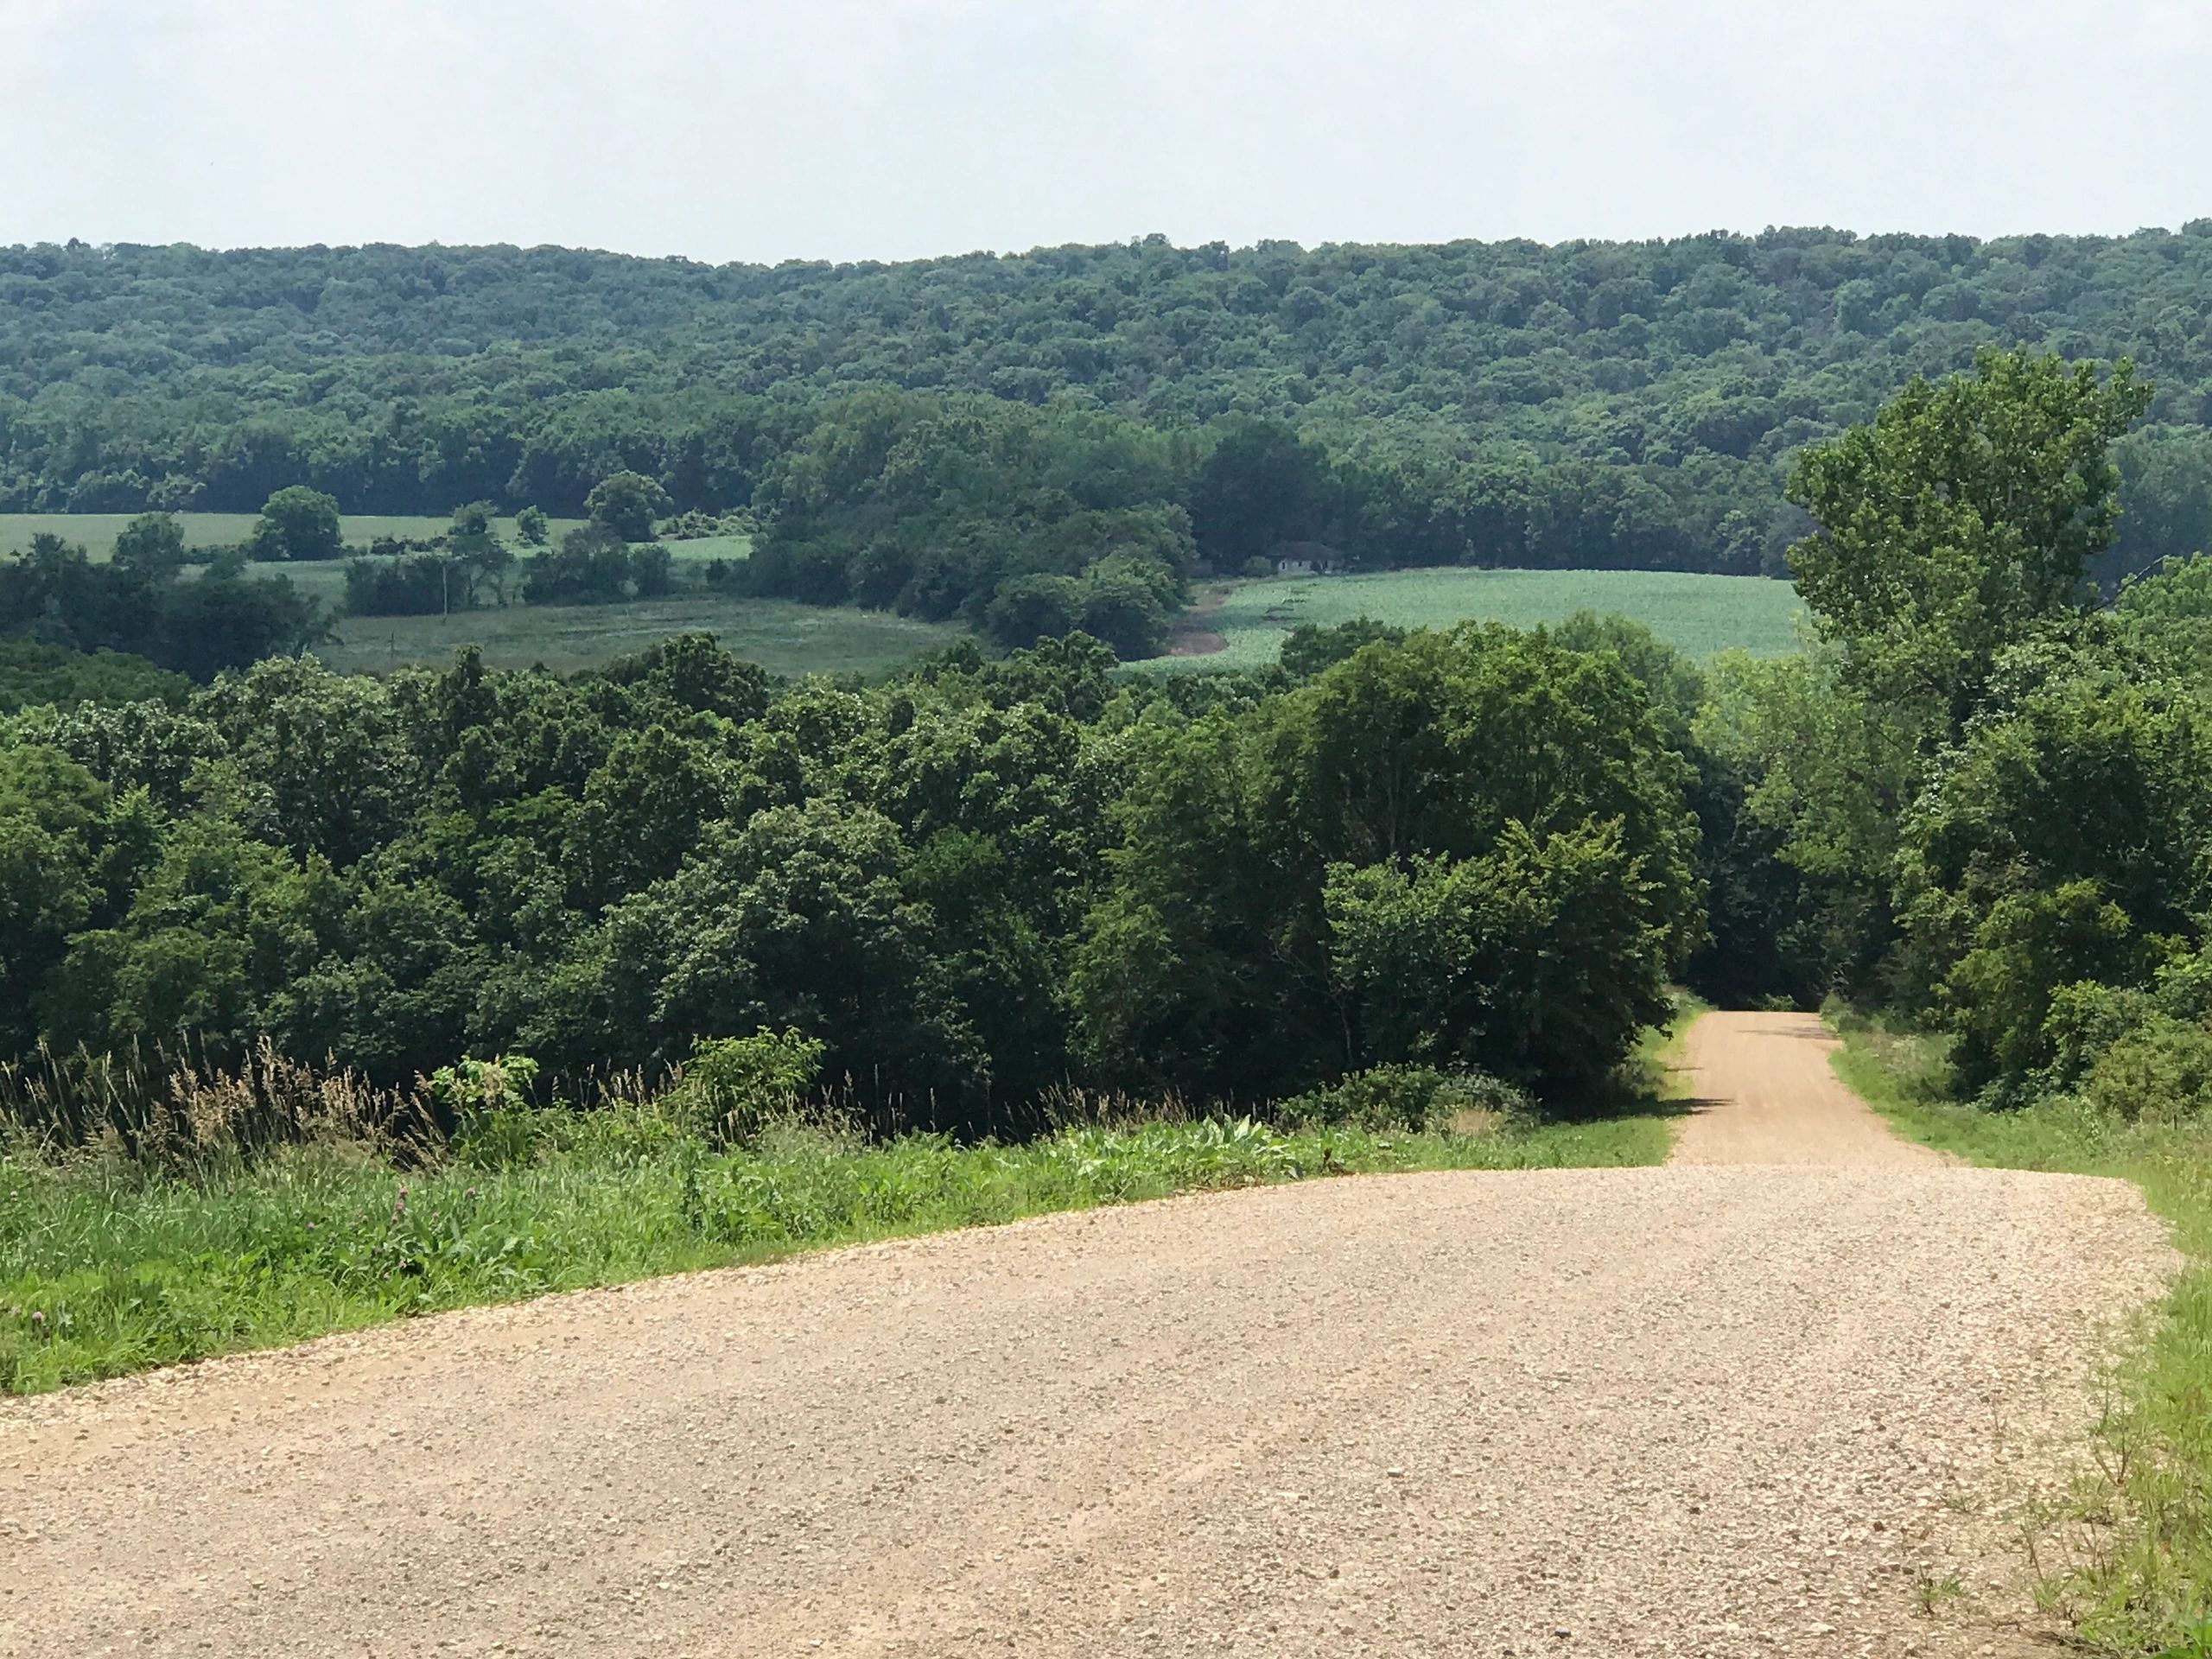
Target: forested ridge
(1586, 404)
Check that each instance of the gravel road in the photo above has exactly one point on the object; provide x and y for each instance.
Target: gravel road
(1715, 1408)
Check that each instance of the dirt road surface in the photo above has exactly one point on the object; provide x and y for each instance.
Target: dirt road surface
(1721, 1409)
(1765, 1093)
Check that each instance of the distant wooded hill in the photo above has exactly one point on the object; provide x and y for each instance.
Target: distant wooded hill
(1588, 405)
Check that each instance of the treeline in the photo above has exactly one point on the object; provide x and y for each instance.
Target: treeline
(1026, 521)
(1588, 405)
(141, 603)
(155, 603)
(1985, 803)
(972, 885)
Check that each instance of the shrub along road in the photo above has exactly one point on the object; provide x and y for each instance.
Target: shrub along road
(1714, 1408)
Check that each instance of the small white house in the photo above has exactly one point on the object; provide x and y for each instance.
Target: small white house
(1306, 559)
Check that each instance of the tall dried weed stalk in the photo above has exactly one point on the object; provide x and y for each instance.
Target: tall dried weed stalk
(175, 1107)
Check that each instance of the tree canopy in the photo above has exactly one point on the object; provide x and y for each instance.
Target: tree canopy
(296, 523)
(1984, 801)
(1588, 403)
(1961, 519)
(142, 604)
(971, 885)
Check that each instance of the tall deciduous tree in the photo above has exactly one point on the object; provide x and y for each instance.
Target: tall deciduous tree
(625, 504)
(1284, 869)
(1961, 519)
(151, 546)
(296, 523)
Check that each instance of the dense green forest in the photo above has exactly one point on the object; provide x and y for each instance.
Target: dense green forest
(1054, 440)
(1979, 798)
(973, 884)
(1026, 872)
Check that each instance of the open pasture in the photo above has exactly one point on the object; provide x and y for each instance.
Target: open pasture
(1698, 614)
(781, 635)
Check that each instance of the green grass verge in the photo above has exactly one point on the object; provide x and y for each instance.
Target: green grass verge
(106, 1269)
(1699, 616)
(2134, 1549)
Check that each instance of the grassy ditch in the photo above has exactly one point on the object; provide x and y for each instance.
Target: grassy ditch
(111, 1265)
(2129, 1560)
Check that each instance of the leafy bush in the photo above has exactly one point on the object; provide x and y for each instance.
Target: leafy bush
(1408, 1098)
(474, 1095)
(495, 1125)
(694, 524)
(2085, 1019)
(733, 1088)
(625, 503)
(653, 570)
(593, 566)
(418, 585)
(2162, 1069)
(297, 523)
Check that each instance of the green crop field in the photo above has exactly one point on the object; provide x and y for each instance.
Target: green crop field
(781, 635)
(705, 550)
(95, 532)
(1697, 614)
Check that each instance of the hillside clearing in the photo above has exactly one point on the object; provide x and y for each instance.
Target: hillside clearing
(782, 636)
(1699, 616)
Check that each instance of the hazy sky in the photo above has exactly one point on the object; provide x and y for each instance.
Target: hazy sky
(851, 129)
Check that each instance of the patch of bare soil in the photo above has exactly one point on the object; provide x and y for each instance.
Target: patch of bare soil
(1191, 638)
(1196, 642)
